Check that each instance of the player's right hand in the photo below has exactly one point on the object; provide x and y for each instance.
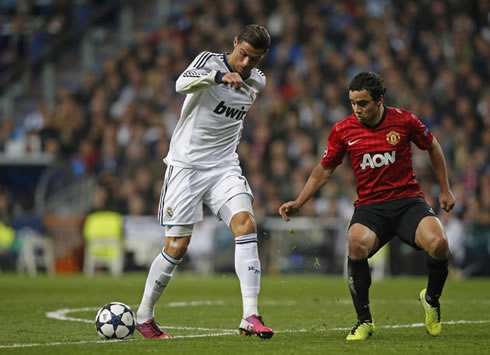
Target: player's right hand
(232, 79)
(288, 209)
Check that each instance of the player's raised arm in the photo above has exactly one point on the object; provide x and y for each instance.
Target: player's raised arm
(198, 75)
(318, 178)
(446, 197)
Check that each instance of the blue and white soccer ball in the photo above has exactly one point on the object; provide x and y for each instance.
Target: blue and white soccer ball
(115, 320)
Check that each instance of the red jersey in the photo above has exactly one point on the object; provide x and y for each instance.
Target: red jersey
(381, 156)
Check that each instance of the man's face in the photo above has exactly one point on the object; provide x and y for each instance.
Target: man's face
(365, 108)
(245, 57)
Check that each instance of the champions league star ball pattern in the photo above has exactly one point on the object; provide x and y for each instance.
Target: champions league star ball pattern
(115, 320)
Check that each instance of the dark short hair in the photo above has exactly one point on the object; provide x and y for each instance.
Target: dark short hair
(370, 81)
(256, 35)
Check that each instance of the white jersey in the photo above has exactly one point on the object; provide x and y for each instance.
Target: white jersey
(211, 120)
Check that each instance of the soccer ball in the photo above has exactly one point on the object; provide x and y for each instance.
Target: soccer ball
(115, 320)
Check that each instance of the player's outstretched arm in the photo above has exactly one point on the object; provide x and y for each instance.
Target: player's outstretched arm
(446, 197)
(318, 178)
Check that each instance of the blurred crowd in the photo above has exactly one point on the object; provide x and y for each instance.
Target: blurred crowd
(433, 55)
(28, 27)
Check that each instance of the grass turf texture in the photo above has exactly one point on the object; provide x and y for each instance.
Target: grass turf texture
(305, 311)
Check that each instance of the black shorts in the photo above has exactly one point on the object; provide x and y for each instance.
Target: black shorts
(398, 217)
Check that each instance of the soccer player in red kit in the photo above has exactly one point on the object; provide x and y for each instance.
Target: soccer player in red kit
(377, 141)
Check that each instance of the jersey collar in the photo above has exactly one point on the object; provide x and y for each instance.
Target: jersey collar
(225, 55)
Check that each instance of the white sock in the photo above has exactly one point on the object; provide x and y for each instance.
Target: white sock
(247, 267)
(158, 277)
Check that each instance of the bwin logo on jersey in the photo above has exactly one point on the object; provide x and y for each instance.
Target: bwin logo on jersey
(377, 160)
(231, 112)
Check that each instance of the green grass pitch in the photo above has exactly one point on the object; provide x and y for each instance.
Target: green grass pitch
(310, 314)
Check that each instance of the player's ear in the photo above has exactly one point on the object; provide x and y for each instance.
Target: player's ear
(235, 42)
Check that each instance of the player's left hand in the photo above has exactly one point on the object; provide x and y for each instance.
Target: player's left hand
(447, 200)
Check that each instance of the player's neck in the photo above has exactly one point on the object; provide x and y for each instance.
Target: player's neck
(380, 115)
(378, 118)
(230, 60)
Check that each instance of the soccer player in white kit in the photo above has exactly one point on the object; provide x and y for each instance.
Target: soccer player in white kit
(203, 167)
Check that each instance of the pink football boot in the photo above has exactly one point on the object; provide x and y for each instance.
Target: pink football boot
(151, 330)
(254, 325)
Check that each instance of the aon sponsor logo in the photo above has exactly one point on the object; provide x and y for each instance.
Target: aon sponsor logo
(235, 113)
(377, 160)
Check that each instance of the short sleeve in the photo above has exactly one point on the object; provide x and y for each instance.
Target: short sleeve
(335, 149)
(419, 133)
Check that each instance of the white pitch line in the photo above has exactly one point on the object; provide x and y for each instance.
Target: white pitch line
(234, 332)
(225, 333)
(198, 328)
(10, 346)
(194, 304)
(61, 314)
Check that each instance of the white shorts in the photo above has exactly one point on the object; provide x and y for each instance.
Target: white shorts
(185, 190)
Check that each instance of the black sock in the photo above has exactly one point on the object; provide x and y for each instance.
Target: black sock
(359, 281)
(438, 271)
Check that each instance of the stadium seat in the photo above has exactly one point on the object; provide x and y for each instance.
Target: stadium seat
(7, 238)
(104, 247)
(36, 252)
(143, 238)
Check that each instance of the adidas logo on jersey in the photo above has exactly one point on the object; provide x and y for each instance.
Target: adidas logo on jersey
(377, 160)
(231, 112)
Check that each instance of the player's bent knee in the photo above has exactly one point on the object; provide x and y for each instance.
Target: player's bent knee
(176, 247)
(358, 250)
(238, 215)
(360, 245)
(243, 223)
(438, 247)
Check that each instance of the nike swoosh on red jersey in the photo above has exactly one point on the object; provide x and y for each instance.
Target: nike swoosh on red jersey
(353, 142)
